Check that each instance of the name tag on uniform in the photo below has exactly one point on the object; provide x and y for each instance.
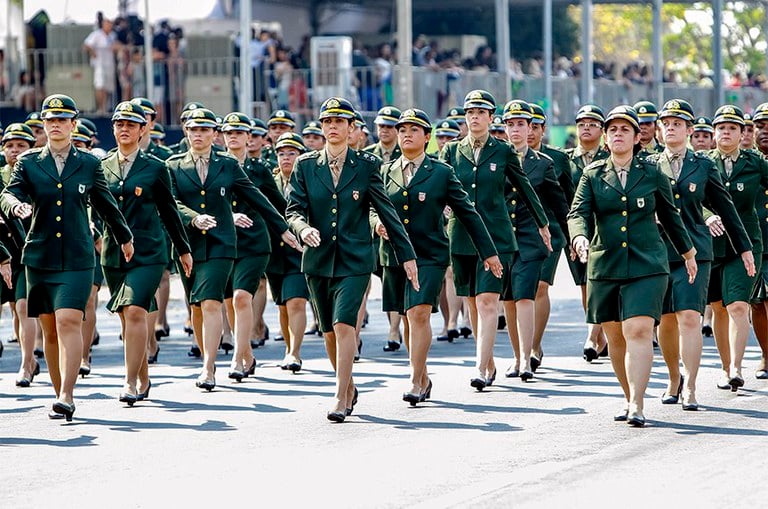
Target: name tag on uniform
(422, 196)
(355, 195)
(739, 186)
(137, 191)
(222, 191)
(640, 203)
(493, 166)
(81, 188)
(692, 187)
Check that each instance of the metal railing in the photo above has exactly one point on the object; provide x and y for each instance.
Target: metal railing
(215, 82)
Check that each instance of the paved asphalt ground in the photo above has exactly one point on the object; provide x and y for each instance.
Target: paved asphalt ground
(266, 442)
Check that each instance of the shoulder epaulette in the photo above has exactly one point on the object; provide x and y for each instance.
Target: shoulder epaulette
(309, 155)
(176, 157)
(367, 156)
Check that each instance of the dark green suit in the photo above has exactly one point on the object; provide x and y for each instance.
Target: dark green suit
(377, 150)
(284, 259)
(340, 214)
(577, 158)
(143, 196)
(60, 236)
(698, 184)
(420, 205)
(159, 151)
(626, 243)
(563, 170)
(489, 184)
(746, 184)
(255, 241)
(224, 181)
(541, 174)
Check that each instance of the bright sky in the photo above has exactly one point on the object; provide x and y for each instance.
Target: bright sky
(84, 11)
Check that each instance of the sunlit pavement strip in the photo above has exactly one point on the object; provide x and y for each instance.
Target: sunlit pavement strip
(548, 443)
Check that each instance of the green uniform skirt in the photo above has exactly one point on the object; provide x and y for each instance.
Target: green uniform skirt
(246, 274)
(19, 290)
(549, 267)
(471, 278)
(397, 293)
(681, 295)
(525, 279)
(133, 287)
(49, 290)
(337, 299)
(285, 287)
(207, 281)
(611, 300)
(730, 283)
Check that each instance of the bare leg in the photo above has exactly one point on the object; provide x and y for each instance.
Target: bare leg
(689, 323)
(669, 343)
(89, 326)
(285, 330)
(721, 327)
(297, 324)
(525, 325)
(638, 332)
(346, 346)
(394, 326)
(487, 320)
(738, 332)
(134, 321)
(70, 334)
(162, 295)
(259, 305)
(760, 326)
(617, 347)
(420, 340)
(243, 320)
(443, 306)
(27, 333)
(211, 329)
(542, 311)
(511, 314)
(51, 347)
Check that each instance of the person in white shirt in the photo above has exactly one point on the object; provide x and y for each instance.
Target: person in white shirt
(100, 45)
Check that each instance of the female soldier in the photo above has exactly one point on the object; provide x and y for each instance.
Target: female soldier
(289, 286)
(489, 170)
(330, 197)
(312, 136)
(60, 181)
(695, 183)
(142, 187)
(519, 302)
(627, 265)
(17, 139)
(745, 174)
(420, 189)
(760, 297)
(204, 182)
(253, 244)
(703, 136)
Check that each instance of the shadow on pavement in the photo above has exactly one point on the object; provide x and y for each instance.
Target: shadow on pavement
(489, 426)
(81, 441)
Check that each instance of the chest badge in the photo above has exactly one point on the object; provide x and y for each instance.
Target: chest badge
(355, 195)
(137, 191)
(493, 166)
(222, 191)
(640, 203)
(422, 196)
(81, 188)
(692, 187)
(739, 186)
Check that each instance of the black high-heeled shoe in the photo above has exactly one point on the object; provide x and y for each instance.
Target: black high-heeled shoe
(152, 359)
(428, 393)
(526, 375)
(706, 331)
(279, 337)
(512, 372)
(163, 332)
(449, 336)
(84, 371)
(489, 381)
(294, 367)
(226, 345)
(465, 331)
(207, 385)
(236, 375)
(621, 416)
(23, 382)
(393, 346)
(65, 409)
(336, 416)
(501, 322)
(251, 370)
(36, 370)
(535, 363)
(359, 350)
(189, 330)
(478, 383)
(673, 399)
(2, 348)
(144, 395)
(195, 352)
(128, 398)
(735, 382)
(354, 402)
(411, 398)
(96, 339)
(604, 351)
(38, 353)
(590, 354)
(636, 420)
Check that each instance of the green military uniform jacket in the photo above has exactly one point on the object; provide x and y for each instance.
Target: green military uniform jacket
(142, 196)
(627, 243)
(576, 155)
(762, 214)
(378, 150)
(341, 214)
(563, 170)
(60, 236)
(255, 241)
(541, 174)
(746, 185)
(284, 259)
(13, 230)
(420, 205)
(159, 151)
(652, 148)
(700, 184)
(269, 156)
(224, 181)
(489, 184)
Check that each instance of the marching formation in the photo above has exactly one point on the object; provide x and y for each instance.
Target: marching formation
(661, 214)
